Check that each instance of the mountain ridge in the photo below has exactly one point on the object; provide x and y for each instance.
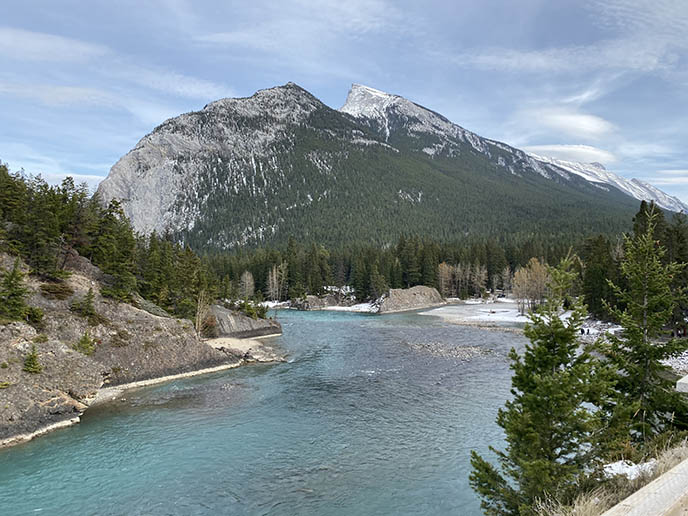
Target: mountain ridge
(281, 163)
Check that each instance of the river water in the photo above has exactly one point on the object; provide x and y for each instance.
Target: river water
(361, 420)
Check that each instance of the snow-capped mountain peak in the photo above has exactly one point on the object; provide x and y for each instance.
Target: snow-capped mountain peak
(597, 173)
(366, 101)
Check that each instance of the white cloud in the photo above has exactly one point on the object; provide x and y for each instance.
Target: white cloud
(310, 38)
(621, 54)
(169, 82)
(668, 180)
(644, 36)
(91, 180)
(51, 168)
(580, 153)
(569, 122)
(674, 172)
(645, 150)
(37, 46)
(57, 95)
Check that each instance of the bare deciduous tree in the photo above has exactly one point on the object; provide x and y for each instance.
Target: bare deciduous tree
(530, 285)
(445, 279)
(246, 285)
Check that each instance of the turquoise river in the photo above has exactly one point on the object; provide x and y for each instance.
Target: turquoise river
(361, 420)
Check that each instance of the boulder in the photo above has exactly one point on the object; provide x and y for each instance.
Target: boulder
(414, 298)
(235, 324)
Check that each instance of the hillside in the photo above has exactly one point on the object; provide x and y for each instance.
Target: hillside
(281, 163)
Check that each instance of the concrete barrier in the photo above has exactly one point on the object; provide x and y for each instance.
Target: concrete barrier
(682, 384)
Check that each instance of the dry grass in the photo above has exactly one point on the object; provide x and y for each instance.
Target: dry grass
(597, 501)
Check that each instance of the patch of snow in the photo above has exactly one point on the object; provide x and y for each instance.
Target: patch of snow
(477, 312)
(628, 469)
(678, 363)
(275, 304)
(413, 198)
(370, 308)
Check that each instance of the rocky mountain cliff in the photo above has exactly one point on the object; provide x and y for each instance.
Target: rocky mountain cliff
(256, 170)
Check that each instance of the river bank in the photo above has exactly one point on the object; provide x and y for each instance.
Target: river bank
(363, 419)
(243, 351)
(119, 346)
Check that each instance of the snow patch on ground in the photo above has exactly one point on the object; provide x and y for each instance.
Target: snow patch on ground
(628, 469)
(679, 363)
(477, 312)
(275, 304)
(369, 308)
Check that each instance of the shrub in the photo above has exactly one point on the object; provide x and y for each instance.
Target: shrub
(34, 316)
(4, 365)
(209, 327)
(120, 339)
(59, 290)
(86, 345)
(31, 364)
(41, 337)
(86, 308)
(4, 385)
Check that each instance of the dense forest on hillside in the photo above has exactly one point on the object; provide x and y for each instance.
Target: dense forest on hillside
(254, 172)
(44, 224)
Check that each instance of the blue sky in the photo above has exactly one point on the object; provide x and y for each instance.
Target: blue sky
(588, 80)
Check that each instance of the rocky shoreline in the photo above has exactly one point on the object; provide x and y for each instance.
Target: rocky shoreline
(128, 347)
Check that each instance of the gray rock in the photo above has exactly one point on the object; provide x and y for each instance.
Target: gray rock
(414, 298)
(320, 302)
(237, 325)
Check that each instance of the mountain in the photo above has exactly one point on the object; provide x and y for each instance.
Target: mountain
(596, 173)
(280, 164)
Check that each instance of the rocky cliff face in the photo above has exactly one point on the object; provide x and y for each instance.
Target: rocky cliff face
(60, 392)
(414, 298)
(130, 345)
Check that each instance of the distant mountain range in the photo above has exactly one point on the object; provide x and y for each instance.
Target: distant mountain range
(280, 163)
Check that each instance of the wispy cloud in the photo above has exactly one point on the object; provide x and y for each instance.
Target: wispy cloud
(51, 95)
(38, 46)
(308, 38)
(674, 172)
(569, 122)
(581, 153)
(166, 81)
(667, 180)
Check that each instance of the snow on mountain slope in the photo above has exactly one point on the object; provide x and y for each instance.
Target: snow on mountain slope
(367, 102)
(596, 173)
(364, 101)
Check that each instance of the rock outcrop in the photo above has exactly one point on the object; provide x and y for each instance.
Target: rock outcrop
(127, 345)
(233, 324)
(321, 302)
(59, 392)
(414, 298)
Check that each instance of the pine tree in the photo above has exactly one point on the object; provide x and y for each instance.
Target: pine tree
(548, 425)
(31, 364)
(86, 345)
(13, 294)
(599, 266)
(644, 384)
